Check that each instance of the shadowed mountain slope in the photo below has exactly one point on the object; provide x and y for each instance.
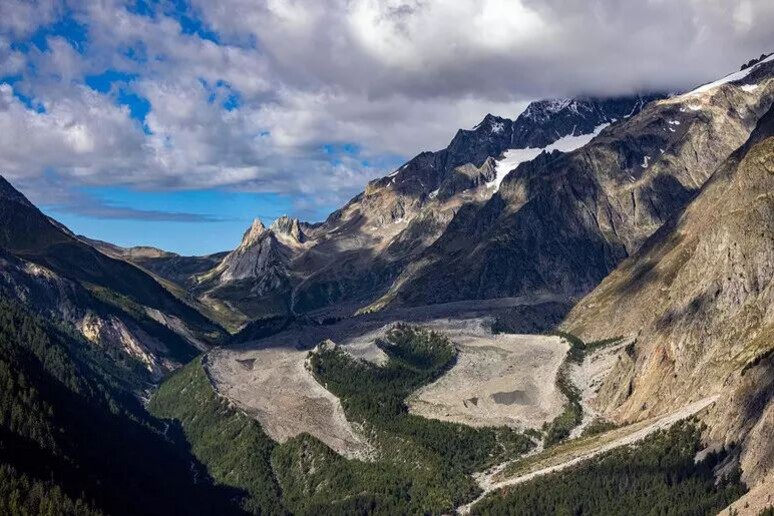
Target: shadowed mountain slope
(111, 302)
(561, 222)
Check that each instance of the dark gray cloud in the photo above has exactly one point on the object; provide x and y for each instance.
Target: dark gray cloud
(501, 49)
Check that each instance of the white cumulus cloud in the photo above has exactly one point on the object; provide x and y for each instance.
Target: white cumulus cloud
(252, 92)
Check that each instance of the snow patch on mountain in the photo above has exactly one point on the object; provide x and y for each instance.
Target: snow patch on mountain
(734, 77)
(513, 157)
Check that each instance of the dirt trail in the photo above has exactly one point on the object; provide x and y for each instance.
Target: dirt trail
(578, 451)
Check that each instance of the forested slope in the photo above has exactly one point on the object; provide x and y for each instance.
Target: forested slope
(74, 440)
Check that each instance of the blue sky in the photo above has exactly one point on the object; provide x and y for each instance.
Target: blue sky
(218, 218)
(175, 123)
(188, 217)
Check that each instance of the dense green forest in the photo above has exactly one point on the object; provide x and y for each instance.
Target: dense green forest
(572, 413)
(234, 448)
(64, 406)
(302, 475)
(74, 440)
(657, 476)
(579, 348)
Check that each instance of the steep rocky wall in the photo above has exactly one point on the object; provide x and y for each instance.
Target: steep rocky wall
(698, 298)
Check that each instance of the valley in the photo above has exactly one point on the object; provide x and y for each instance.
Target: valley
(565, 312)
(269, 379)
(322, 376)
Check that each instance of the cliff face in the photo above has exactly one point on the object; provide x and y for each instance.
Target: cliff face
(698, 297)
(255, 277)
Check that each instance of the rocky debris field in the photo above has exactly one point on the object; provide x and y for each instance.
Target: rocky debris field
(497, 380)
(512, 376)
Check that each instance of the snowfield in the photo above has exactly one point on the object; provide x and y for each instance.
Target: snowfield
(734, 77)
(513, 157)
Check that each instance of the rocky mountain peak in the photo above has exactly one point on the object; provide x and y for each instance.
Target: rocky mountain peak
(286, 226)
(253, 234)
(546, 121)
(753, 62)
(263, 255)
(9, 193)
(542, 110)
(493, 124)
(540, 125)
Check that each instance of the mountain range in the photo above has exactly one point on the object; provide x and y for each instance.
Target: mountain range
(551, 202)
(638, 229)
(363, 251)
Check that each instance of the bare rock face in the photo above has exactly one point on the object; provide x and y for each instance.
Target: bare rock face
(48, 294)
(256, 278)
(698, 296)
(253, 235)
(261, 258)
(285, 227)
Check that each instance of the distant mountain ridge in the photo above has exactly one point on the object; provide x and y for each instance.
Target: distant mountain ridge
(353, 257)
(491, 215)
